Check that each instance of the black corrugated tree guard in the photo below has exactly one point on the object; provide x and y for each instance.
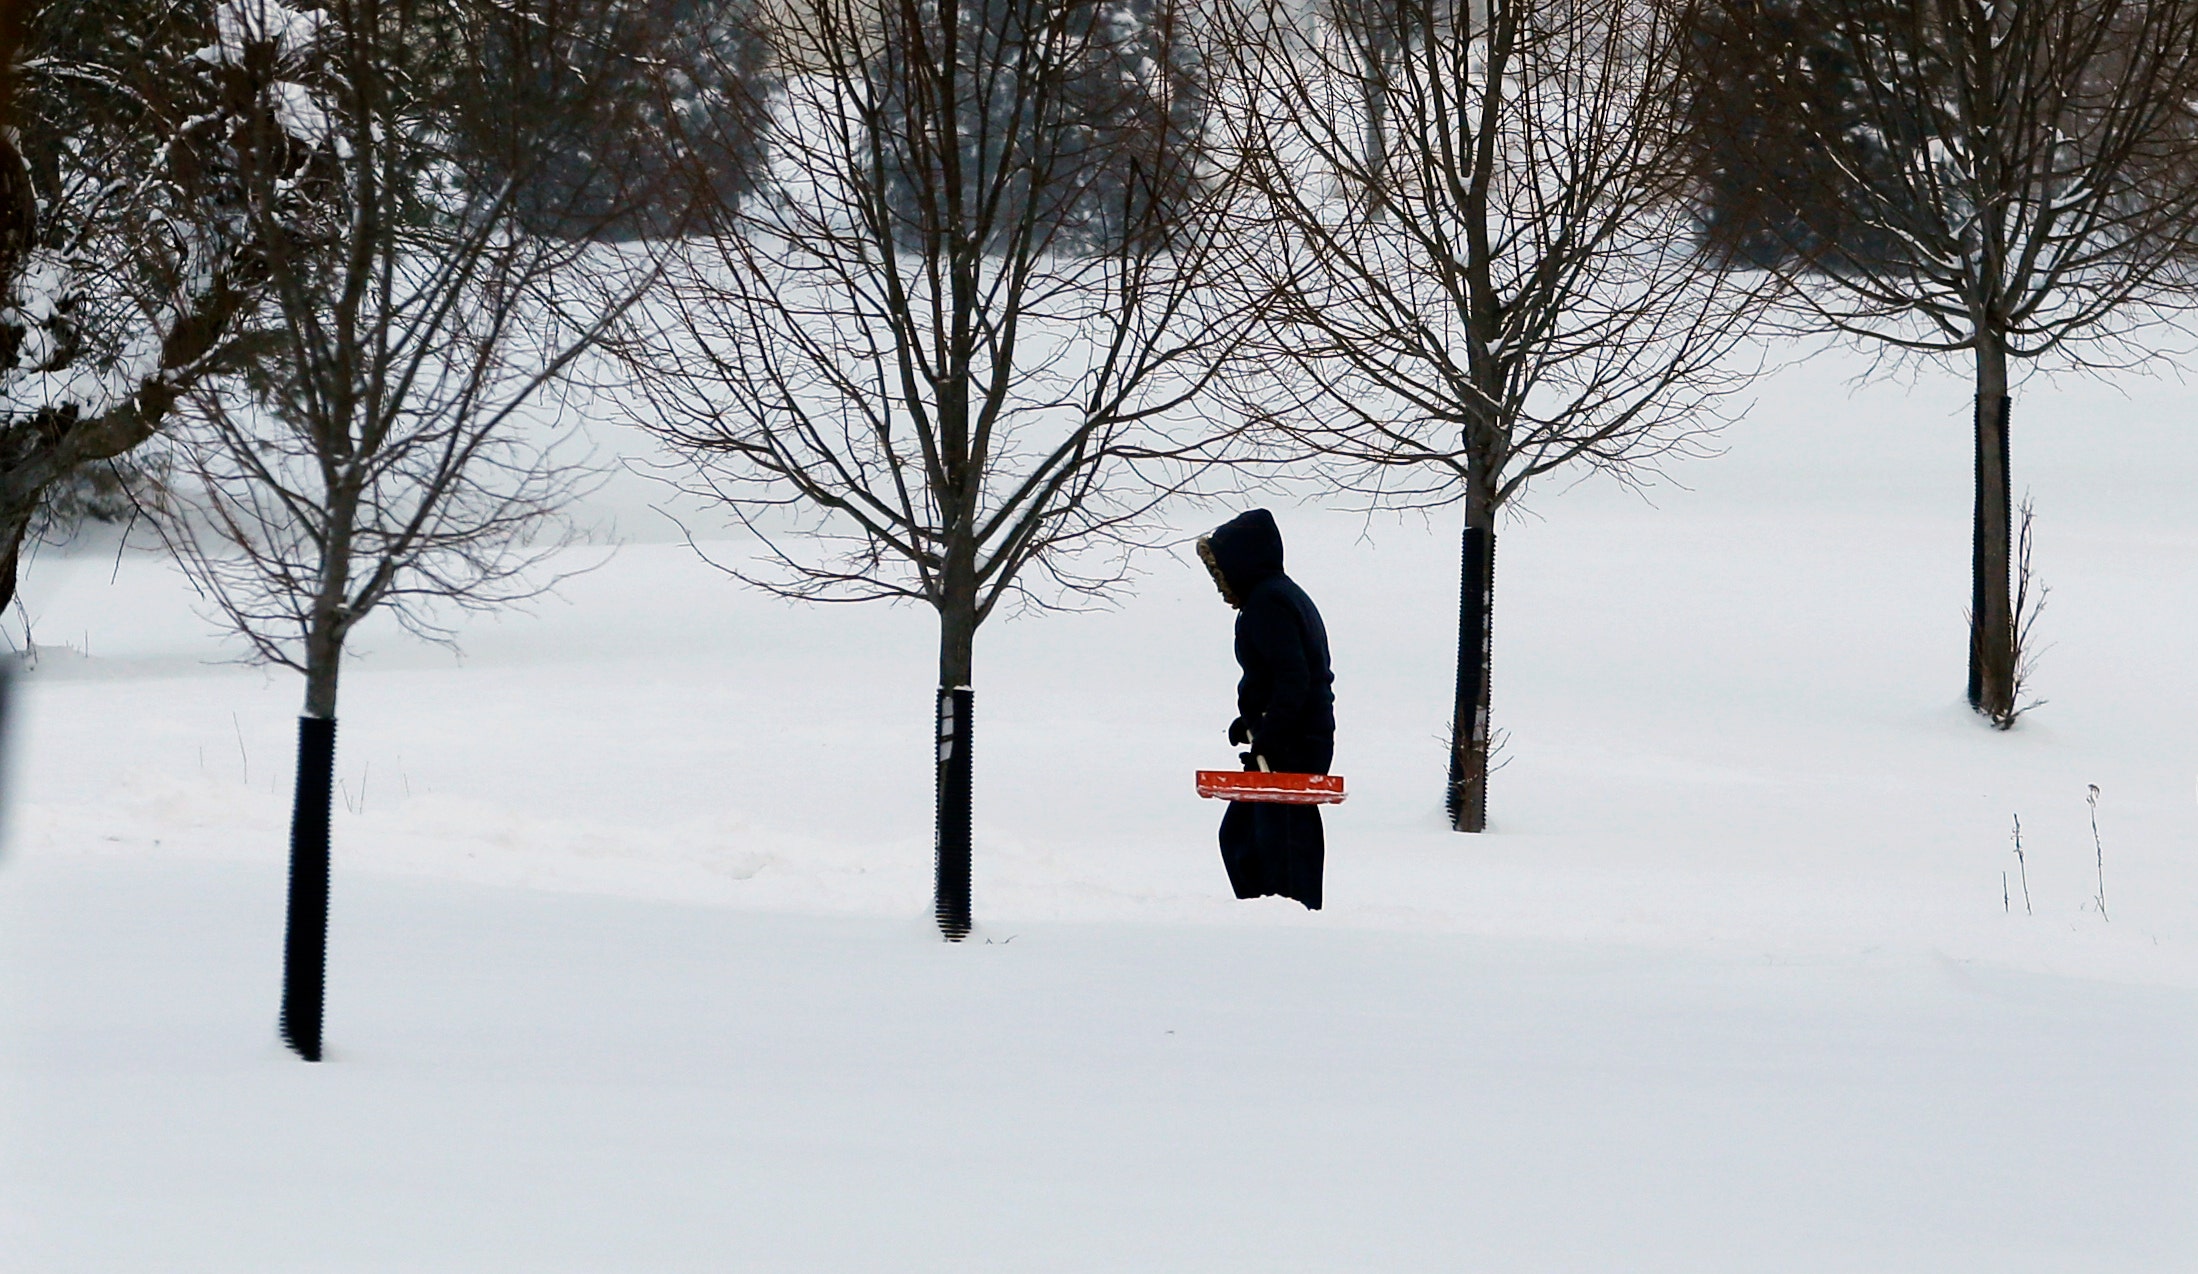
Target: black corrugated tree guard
(1467, 794)
(372, 463)
(942, 365)
(950, 894)
(1479, 268)
(305, 920)
(2003, 181)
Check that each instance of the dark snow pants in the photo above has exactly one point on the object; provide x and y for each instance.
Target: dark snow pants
(1270, 848)
(1273, 849)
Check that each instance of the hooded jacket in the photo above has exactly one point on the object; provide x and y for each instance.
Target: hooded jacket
(1287, 692)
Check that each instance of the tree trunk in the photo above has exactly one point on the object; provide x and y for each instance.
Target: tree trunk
(1991, 612)
(323, 666)
(14, 527)
(957, 648)
(1469, 733)
(1374, 89)
(305, 933)
(18, 194)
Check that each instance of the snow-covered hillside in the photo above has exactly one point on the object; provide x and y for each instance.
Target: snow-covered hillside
(631, 967)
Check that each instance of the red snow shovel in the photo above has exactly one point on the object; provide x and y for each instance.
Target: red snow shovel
(1263, 784)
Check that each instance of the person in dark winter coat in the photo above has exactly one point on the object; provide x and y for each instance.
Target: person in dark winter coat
(1285, 704)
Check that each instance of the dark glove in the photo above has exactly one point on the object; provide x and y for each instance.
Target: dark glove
(1240, 732)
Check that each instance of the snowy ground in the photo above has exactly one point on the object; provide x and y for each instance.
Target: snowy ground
(631, 968)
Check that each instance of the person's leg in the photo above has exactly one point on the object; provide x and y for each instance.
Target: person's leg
(1241, 850)
(1300, 853)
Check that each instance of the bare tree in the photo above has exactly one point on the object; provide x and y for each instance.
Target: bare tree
(940, 359)
(382, 462)
(1496, 283)
(2005, 181)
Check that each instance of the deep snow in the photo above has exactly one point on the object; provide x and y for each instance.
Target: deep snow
(631, 970)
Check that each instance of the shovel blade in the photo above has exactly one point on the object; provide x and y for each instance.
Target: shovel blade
(1282, 789)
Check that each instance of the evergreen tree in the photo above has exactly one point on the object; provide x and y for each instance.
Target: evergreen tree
(127, 272)
(619, 115)
(1111, 99)
(1764, 79)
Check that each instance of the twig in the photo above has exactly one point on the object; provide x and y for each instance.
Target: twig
(2023, 867)
(2092, 798)
(135, 509)
(2028, 604)
(241, 756)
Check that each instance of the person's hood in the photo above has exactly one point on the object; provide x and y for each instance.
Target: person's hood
(1242, 552)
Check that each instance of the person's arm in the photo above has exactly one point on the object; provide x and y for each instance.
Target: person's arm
(1271, 629)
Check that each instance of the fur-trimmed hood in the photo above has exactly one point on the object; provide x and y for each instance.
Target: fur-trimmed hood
(1242, 553)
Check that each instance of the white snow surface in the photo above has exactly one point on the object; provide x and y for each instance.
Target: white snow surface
(632, 969)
